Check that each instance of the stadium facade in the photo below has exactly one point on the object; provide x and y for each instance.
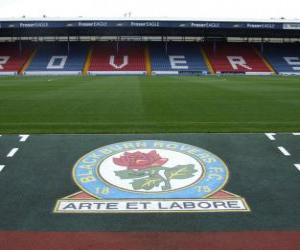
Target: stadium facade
(149, 47)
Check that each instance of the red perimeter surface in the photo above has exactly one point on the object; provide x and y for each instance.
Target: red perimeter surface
(149, 240)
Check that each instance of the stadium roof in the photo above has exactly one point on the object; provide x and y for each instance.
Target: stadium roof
(149, 27)
(81, 18)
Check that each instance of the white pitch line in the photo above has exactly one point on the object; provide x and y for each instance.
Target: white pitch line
(1, 167)
(23, 138)
(296, 134)
(12, 152)
(284, 151)
(297, 166)
(271, 136)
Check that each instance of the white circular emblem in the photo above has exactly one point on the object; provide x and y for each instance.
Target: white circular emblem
(156, 170)
(150, 169)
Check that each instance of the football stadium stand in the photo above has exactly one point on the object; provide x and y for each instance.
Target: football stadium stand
(176, 58)
(148, 47)
(151, 58)
(236, 58)
(116, 59)
(12, 59)
(58, 59)
(285, 58)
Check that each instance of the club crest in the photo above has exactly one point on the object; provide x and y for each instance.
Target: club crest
(150, 176)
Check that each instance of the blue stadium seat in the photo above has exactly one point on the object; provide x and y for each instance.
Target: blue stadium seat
(177, 58)
(56, 59)
(285, 58)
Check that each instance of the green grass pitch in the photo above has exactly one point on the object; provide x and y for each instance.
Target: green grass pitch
(149, 104)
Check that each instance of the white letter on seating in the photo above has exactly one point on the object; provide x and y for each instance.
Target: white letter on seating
(236, 61)
(57, 62)
(293, 61)
(178, 62)
(3, 60)
(112, 62)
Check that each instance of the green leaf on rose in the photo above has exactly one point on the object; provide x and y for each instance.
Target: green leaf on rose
(130, 174)
(147, 183)
(180, 172)
(149, 178)
(133, 174)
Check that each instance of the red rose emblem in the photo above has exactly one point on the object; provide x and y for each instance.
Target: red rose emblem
(139, 160)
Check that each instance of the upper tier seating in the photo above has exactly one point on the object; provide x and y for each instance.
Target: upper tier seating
(176, 57)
